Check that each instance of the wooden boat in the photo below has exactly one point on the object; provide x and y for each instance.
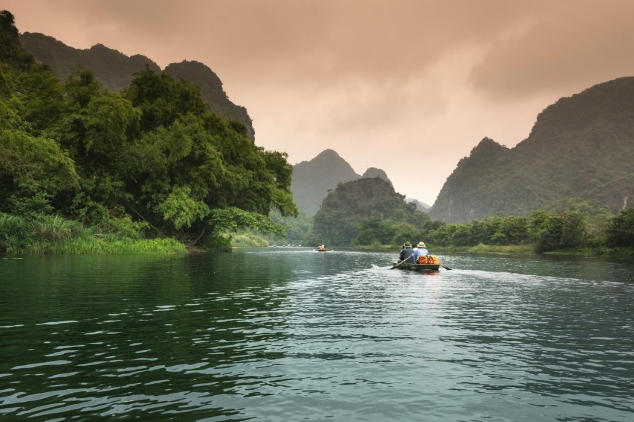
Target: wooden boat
(425, 263)
(417, 267)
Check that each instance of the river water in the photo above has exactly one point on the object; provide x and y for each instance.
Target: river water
(293, 334)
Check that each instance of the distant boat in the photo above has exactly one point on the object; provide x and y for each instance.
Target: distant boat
(320, 249)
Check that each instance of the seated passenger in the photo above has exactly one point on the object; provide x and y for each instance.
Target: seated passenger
(420, 251)
(407, 254)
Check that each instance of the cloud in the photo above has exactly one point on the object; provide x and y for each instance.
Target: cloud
(364, 77)
(570, 46)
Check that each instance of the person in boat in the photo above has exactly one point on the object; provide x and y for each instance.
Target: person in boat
(407, 254)
(321, 248)
(420, 250)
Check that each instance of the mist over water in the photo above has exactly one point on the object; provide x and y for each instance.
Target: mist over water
(290, 334)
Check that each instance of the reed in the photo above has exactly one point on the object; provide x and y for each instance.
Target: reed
(52, 234)
(14, 232)
(96, 246)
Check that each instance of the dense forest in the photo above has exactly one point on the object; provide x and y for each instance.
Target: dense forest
(116, 70)
(364, 212)
(80, 164)
(368, 212)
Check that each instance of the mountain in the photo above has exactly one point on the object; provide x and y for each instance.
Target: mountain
(115, 70)
(338, 220)
(211, 90)
(373, 172)
(581, 147)
(421, 206)
(313, 179)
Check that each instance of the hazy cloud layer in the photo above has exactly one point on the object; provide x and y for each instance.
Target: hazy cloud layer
(409, 86)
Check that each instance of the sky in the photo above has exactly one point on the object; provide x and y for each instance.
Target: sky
(407, 86)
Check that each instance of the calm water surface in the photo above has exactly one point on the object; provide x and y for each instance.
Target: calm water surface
(293, 334)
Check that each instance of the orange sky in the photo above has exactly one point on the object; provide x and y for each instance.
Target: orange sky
(408, 86)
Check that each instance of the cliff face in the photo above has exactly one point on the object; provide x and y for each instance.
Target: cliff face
(313, 179)
(581, 147)
(211, 90)
(115, 70)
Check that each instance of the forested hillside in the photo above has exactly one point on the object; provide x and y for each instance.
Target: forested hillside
(581, 147)
(115, 71)
(366, 211)
(151, 161)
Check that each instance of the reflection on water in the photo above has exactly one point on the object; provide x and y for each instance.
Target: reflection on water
(289, 334)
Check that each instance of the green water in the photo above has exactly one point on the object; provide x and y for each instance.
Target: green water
(294, 334)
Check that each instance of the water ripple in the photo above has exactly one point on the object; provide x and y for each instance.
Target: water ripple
(291, 334)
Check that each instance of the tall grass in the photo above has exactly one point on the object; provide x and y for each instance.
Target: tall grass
(14, 233)
(50, 234)
(54, 228)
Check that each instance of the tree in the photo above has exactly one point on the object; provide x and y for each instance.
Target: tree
(29, 166)
(620, 232)
(573, 230)
(545, 230)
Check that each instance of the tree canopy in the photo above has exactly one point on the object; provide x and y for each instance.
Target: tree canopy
(153, 154)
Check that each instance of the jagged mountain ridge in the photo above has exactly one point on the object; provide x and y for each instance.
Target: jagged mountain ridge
(580, 147)
(313, 179)
(115, 70)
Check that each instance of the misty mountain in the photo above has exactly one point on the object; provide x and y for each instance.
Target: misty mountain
(420, 206)
(115, 71)
(373, 172)
(313, 179)
(581, 147)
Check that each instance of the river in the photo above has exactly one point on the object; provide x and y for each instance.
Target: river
(285, 334)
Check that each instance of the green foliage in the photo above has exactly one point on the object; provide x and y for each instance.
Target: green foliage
(81, 246)
(248, 238)
(52, 234)
(361, 212)
(30, 165)
(180, 209)
(53, 228)
(14, 233)
(10, 50)
(123, 228)
(296, 228)
(162, 99)
(151, 162)
(620, 232)
(545, 229)
(232, 219)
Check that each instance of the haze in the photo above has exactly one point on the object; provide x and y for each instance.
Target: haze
(408, 86)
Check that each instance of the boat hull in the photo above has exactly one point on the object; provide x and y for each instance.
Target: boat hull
(418, 267)
(425, 263)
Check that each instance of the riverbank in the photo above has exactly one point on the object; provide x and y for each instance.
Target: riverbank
(527, 249)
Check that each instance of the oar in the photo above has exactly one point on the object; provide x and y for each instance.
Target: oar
(402, 261)
(445, 267)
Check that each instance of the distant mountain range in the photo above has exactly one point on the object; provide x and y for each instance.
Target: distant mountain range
(115, 70)
(581, 147)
